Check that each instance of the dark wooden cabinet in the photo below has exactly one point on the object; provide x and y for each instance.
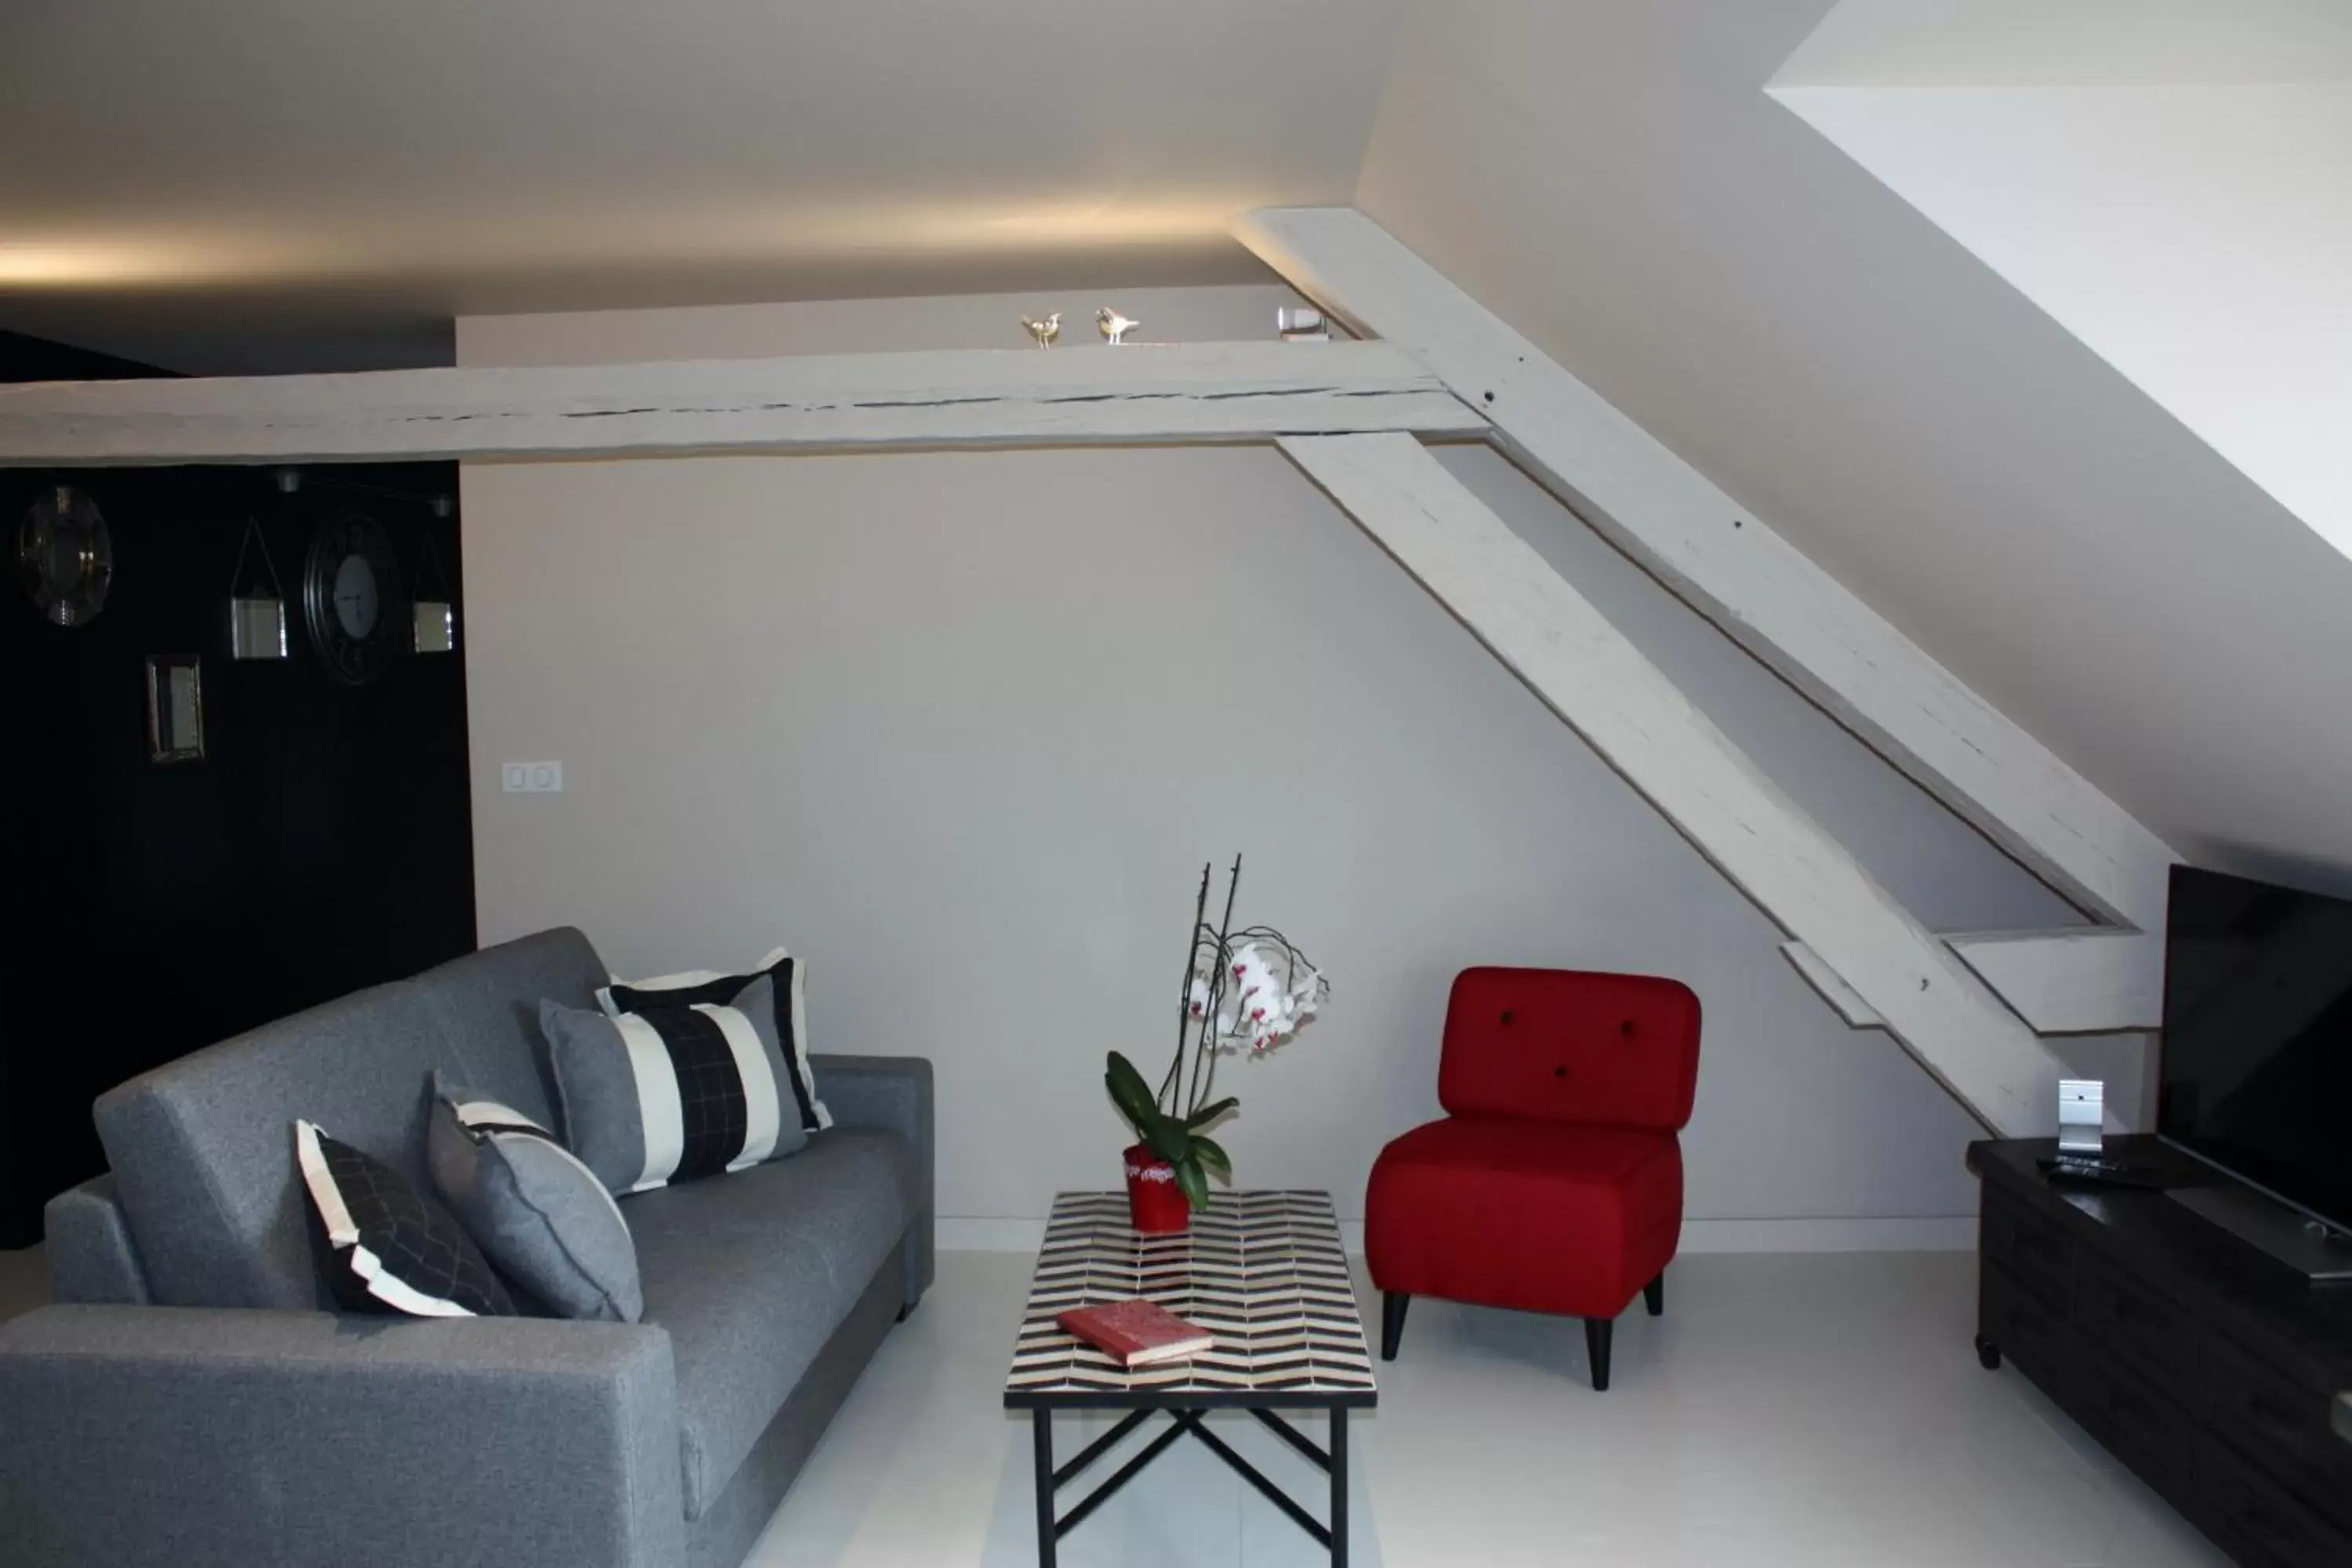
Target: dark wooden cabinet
(2204, 1366)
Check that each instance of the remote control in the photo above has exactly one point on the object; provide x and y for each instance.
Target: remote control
(2098, 1171)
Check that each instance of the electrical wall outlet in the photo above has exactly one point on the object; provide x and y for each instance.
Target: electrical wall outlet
(531, 778)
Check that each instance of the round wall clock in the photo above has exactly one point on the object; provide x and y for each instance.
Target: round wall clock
(65, 556)
(351, 596)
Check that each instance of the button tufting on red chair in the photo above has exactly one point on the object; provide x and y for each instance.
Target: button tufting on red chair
(1555, 1182)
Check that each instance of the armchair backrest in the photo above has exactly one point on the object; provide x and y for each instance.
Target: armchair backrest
(1567, 1044)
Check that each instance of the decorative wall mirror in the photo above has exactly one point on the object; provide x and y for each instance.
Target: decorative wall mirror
(435, 606)
(257, 610)
(65, 557)
(175, 708)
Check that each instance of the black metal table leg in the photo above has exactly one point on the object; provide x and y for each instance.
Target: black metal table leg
(1043, 1430)
(1338, 1487)
(1052, 1523)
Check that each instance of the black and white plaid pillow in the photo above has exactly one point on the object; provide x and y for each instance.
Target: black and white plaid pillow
(390, 1250)
(672, 1094)
(787, 999)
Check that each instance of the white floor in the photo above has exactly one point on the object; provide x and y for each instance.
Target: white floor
(1815, 1410)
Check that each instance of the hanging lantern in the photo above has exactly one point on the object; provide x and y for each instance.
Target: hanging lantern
(435, 606)
(257, 612)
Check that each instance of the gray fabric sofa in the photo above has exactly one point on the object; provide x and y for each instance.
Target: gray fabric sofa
(191, 1400)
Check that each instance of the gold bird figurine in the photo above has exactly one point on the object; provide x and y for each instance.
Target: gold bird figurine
(1113, 326)
(1044, 330)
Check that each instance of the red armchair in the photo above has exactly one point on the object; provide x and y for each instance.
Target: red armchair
(1555, 1183)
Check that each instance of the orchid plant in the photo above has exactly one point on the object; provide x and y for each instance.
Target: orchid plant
(1244, 991)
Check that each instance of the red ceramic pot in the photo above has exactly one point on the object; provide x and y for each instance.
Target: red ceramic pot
(1155, 1203)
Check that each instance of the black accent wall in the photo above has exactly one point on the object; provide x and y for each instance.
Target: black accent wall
(324, 843)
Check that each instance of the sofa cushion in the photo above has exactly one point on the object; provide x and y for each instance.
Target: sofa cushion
(206, 1167)
(749, 1275)
(1538, 1215)
(199, 1145)
(486, 1003)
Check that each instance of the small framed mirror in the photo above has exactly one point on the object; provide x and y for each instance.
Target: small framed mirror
(437, 626)
(175, 708)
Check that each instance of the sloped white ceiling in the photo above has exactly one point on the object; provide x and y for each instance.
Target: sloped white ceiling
(2171, 181)
(1613, 178)
(285, 183)
(2074, 42)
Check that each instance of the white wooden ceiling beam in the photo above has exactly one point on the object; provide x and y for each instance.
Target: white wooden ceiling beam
(1843, 1000)
(2080, 980)
(1724, 559)
(1512, 600)
(1177, 392)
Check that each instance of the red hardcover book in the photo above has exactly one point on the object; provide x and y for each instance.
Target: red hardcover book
(1136, 1332)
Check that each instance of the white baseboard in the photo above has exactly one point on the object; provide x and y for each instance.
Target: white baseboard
(1956, 1233)
(954, 1233)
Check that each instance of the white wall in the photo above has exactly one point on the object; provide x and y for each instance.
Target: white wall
(961, 728)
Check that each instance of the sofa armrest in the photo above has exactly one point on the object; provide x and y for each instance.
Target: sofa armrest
(201, 1436)
(894, 1093)
(87, 1242)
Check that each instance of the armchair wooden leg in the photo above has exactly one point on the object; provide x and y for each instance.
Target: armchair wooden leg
(1392, 1305)
(1653, 1295)
(1598, 1332)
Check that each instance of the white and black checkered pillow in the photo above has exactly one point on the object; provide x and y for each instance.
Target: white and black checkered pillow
(389, 1249)
(706, 988)
(672, 1094)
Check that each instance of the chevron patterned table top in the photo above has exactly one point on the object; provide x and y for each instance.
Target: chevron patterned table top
(1262, 1271)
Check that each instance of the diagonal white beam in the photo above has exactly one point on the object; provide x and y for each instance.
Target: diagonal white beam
(1512, 600)
(2081, 980)
(1722, 559)
(1187, 392)
(2077, 981)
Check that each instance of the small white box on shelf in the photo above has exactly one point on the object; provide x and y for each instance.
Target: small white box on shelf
(2082, 1108)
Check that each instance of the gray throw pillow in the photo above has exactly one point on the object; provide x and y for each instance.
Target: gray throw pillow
(675, 1093)
(542, 1217)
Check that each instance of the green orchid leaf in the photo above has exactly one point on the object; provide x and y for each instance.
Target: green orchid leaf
(1212, 1157)
(1131, 1093)
(1132, 1114)
(1209, 1113)
(1195, 1184)
(1168, 1138)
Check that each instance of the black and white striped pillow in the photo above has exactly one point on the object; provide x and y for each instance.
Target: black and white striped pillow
(389, 1249)
(786, 999)
(677, 1092)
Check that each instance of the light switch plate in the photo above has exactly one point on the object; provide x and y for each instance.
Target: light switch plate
(531, 778)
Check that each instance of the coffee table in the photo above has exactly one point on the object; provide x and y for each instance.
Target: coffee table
(1262, 1271)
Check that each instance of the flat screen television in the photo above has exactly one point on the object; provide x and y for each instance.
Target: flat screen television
(2256, 1074)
